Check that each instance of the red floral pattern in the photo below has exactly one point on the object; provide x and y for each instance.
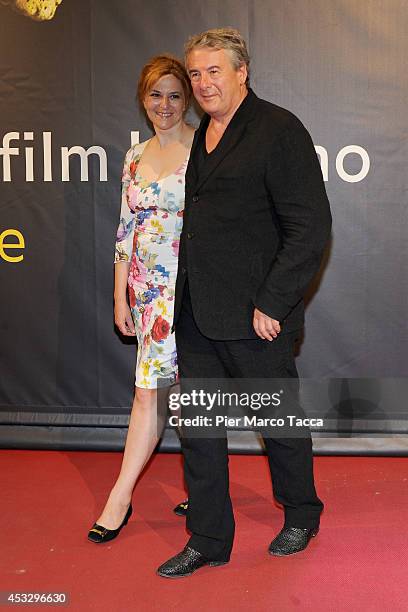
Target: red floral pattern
(160, 329)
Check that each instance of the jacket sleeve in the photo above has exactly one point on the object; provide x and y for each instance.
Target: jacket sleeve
(295, 185)
(124, 237)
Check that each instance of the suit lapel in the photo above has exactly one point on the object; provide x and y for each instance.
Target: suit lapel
(232, 136)
(192, 168)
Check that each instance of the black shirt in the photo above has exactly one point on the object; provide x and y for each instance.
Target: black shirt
(202, 157)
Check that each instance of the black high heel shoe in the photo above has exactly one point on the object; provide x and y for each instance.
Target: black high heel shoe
(99, 534)
(181, 509)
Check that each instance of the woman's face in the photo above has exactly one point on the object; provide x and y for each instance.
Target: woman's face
(165, 103)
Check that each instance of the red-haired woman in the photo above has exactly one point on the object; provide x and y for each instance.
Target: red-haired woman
(146, 267)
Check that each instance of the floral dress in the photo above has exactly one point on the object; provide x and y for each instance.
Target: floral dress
(148, 237)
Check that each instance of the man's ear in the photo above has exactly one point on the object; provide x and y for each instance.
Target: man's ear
(243, 71)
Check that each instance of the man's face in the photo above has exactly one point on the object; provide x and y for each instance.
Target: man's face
(217, 86)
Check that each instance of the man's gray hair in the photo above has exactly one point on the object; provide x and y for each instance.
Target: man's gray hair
(221, 38)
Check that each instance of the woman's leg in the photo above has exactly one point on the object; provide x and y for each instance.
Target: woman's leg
(146, 424)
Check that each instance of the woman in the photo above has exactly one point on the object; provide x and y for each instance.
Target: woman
(146, 265)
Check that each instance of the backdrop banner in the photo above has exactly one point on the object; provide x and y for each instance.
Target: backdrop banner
(68, 74)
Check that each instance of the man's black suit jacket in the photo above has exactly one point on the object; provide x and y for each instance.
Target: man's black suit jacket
(256, 221)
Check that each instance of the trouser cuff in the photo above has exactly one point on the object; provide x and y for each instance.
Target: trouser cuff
(215, 550)
(303, 520)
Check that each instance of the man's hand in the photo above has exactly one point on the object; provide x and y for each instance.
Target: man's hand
(265, 327)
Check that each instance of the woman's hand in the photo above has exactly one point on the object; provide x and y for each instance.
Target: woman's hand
(123, 318)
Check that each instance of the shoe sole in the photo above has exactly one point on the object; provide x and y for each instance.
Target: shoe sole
(210, 564)
(104, 541)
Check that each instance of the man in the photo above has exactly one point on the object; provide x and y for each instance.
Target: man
(256, 222)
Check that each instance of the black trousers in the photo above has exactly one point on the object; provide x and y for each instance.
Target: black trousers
(210, 517)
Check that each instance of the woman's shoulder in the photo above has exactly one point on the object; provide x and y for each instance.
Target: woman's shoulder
(136, 149)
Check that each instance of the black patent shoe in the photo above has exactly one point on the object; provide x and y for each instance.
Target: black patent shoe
(99, 534)
(291, 540)
(181, 509)
(185, 564)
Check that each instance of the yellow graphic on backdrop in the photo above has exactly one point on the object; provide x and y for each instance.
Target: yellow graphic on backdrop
(40, 10)
(5, 245)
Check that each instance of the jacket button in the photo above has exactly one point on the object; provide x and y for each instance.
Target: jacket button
(195, 198)
(183, 270)
(190, 235)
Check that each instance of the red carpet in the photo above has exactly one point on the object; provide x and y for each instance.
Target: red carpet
(357, 562)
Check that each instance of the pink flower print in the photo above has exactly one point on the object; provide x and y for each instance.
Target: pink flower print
(137, 270)
(146, 316)
(175, 246)
(133, 197)
(180, 171)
